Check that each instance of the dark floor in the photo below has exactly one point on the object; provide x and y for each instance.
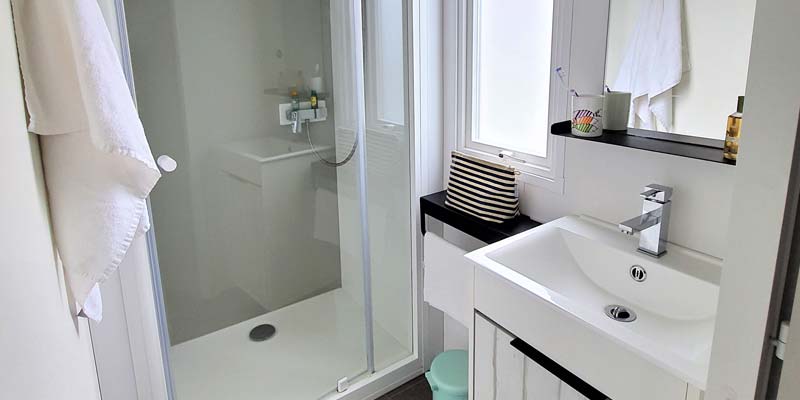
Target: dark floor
(415, 389)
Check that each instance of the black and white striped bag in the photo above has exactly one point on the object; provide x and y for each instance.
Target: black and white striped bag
(481, 188)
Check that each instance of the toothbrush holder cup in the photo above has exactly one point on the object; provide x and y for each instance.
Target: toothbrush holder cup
(587, 115)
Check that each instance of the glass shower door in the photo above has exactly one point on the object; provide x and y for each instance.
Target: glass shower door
(388, 173)
(378, 113)
(283, 248)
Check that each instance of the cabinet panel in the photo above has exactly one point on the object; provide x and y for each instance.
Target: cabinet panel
(483, 370)
(568, 393)
(539, 383)
(501, 372)
(509, 369)
(611, 368)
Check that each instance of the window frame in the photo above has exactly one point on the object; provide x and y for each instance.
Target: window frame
(547, 172)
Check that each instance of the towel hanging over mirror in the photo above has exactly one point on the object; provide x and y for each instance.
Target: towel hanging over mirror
(654, 63)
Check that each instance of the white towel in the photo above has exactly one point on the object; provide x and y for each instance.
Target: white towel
(654, 63)
(97, 164)
(449, 278)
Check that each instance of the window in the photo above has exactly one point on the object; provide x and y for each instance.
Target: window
(508, 93)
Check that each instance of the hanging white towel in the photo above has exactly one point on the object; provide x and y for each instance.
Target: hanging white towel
(449, 278)
(97, 164)
(654, 63)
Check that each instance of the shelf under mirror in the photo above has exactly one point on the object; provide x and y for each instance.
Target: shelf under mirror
(660, 142)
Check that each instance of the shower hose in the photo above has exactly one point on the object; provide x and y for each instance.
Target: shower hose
(334, 164)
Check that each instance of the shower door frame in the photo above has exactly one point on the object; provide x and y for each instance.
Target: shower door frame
(152, 376)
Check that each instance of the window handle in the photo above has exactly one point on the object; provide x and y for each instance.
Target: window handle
(510, 155)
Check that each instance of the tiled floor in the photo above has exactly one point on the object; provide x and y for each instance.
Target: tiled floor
(416, 389)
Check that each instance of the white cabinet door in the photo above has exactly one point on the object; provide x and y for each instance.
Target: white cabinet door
(568, 393)
(503, 373)
(540, 383)
(484, 359)
(509, 369)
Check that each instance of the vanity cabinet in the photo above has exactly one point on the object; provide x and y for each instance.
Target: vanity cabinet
(607, 365)
(503, 372)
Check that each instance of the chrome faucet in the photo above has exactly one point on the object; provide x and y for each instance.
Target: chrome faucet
(298, 117)
(654, 221)
(297, 124)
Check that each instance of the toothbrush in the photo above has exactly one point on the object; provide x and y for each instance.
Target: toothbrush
(561, 78)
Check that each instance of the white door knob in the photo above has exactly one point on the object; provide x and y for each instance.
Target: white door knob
(166, 163)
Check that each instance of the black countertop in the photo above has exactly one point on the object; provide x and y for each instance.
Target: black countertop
(489, 232)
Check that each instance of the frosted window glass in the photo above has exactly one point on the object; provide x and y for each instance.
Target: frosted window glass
(513, 74)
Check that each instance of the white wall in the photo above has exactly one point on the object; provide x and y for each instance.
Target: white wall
(604, 181)
(717, 36)
(45, 352)
(759, 199)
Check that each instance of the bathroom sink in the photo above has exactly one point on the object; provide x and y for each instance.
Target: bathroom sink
(661, 309)
(244, 158)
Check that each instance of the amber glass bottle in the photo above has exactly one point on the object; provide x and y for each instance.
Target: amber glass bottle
(733, 132)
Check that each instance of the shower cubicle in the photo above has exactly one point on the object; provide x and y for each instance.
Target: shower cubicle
(282, 243)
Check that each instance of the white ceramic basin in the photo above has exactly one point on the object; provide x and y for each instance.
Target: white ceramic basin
(582, 265)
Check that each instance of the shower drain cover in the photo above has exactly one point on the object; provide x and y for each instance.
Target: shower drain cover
(262, 332)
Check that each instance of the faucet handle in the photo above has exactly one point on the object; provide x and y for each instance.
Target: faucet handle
(656, 192)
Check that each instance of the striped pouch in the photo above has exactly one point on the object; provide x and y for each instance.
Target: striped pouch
(481, 188)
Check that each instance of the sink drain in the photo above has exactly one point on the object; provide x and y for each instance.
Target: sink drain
(620, 313)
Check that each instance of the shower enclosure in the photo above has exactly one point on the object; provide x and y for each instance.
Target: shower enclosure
(282, 242)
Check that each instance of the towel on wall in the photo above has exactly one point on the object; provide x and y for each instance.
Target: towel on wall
(448, 279)
(654, 63)
(97, 164)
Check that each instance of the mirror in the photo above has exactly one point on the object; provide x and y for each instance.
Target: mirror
(684, 61)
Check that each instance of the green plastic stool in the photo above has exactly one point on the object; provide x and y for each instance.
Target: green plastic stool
(449, 375)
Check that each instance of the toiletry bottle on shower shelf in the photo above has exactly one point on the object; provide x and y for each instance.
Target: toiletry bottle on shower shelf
(295, 99)
(313, 100)
(315, 84)
(733, 132)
